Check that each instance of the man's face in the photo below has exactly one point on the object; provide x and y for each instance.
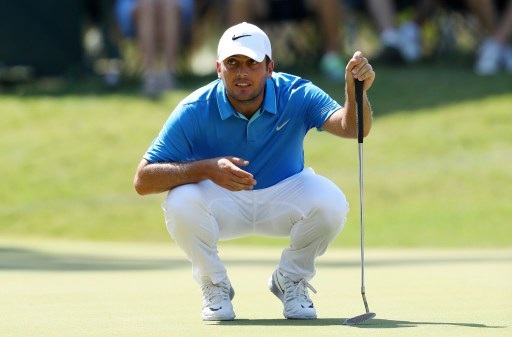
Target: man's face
(244, 79)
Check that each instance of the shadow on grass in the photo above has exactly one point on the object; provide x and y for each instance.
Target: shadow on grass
(13, 258)
(372, 324)
(19, 258)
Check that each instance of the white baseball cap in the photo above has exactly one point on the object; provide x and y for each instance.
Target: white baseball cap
(244, 39)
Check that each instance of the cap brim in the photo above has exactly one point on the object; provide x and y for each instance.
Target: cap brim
(240, 50)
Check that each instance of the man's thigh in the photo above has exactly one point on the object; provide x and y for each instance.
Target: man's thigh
(303, 197)
(272, 211)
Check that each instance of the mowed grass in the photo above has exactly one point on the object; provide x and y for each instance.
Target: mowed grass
(437, 165)
(52, 288)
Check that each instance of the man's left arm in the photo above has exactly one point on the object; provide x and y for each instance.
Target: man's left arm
(343, 122)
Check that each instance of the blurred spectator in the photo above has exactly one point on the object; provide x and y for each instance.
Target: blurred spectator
(158, 26)
(100, 16)
(495, 53)
(328, 13)
(399, 43)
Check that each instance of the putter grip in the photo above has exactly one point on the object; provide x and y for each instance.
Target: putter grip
(359, 104)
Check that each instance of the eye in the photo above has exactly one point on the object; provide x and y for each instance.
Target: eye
(231, 61)
(253, 62)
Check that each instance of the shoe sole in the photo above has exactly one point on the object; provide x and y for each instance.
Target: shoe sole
(220, 318)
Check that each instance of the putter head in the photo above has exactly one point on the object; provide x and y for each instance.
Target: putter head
(359, 319)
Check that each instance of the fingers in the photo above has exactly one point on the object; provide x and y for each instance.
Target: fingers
(237, 184)
(232, 177)
(360, 68)
(238, 161)
(240, 181)
(244, 179)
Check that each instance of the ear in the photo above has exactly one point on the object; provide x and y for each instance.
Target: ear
(217, 66)
(270, 69)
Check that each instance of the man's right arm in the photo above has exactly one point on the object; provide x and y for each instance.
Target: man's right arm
(160, 177)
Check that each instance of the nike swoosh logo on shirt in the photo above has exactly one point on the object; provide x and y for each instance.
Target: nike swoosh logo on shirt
(279, 127)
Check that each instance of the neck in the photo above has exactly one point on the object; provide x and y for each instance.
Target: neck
(248, 113)
(247, 108)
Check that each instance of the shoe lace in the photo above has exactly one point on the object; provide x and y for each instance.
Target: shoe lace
(215, 293)
(298, 290)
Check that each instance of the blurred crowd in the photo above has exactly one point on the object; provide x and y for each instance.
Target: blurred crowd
(162, 29)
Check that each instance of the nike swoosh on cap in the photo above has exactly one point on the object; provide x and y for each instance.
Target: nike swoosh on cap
(239, 36)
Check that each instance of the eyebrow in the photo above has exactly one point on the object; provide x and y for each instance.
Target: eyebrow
(243, 57)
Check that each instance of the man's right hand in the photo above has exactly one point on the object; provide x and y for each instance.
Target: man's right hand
(226, 172)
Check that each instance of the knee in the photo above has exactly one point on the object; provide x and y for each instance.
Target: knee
(182, 199)
(331, 211)
(182, 206)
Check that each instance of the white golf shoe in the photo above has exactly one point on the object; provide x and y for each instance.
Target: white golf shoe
(217, 298)
(294, 295)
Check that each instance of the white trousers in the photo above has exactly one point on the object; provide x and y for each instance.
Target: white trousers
(307, 207)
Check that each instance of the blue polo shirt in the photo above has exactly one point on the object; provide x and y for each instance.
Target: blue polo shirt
(205, 125)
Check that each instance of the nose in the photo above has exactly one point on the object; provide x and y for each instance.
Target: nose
(241, 70)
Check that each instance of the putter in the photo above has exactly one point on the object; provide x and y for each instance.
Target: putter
(359, 102)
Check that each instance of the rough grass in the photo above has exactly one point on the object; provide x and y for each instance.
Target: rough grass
(437, 164)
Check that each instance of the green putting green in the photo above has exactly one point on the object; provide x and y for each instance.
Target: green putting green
(56, 288)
